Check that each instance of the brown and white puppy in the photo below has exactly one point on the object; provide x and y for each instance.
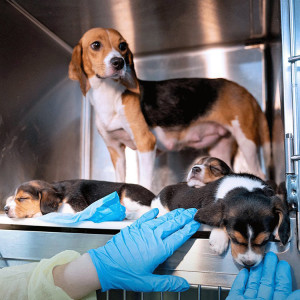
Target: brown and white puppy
(205, 170)
(38, 197)
(241, 208)
(215, 114)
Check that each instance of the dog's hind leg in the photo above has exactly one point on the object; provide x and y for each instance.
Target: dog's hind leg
(249, 149)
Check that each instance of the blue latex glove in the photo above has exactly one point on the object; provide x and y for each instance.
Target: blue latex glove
(270, 280)
(294, 296)
(128, 260)
(105, 209)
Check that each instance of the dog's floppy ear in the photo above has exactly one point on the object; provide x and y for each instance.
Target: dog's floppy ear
(211, 215)
(76, 71)
(130, 80)
(282, 231)
(49, 200)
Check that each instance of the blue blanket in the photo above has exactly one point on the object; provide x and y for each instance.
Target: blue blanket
(108, 208)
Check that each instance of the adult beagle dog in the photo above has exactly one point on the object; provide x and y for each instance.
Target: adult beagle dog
(241, 208)
(169, 115)
(37, 197)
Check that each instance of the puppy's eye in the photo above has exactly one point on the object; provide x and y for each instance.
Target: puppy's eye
(123, 46)
(96, 45)
(235, 241)
(261, 244)
(22, 199)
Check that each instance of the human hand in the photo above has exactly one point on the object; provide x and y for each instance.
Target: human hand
(269, 280)
(129, 258)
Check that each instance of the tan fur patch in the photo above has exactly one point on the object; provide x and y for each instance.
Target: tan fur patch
(239, 237)
(26, 205)
(113, 155)
(261, 237)
(237, 249)
(143, 137)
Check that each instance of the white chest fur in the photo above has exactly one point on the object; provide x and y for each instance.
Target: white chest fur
(106, 97)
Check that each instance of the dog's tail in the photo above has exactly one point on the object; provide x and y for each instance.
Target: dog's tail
(265, 140)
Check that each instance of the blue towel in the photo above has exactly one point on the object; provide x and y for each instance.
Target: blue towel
(108, 208)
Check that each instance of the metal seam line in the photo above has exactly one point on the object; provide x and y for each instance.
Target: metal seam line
(52, 35)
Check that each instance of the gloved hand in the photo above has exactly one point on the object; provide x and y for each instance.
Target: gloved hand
(129, 258)
(269, 280)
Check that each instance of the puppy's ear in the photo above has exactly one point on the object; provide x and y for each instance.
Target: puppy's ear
(76, 71)
(282, 231)
(211, 215)
(49, 200)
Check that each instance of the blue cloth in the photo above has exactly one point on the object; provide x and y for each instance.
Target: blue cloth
(128, 260)
(108, 208)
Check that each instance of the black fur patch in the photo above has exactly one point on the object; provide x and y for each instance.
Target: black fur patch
(177, 102)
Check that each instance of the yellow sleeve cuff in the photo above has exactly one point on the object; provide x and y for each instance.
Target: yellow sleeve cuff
(41, 284)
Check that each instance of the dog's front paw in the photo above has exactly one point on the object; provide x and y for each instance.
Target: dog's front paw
(218, 240)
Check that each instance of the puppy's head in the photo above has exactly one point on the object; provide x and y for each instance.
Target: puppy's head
(250, 219)
(101, 54)
(206, 170)
(32, 199)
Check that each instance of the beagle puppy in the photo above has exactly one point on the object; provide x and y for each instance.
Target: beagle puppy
(241, 208)
(37, 197)
(169, 115)
(205, 170)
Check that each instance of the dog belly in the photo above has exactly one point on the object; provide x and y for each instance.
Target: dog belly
(199, 136)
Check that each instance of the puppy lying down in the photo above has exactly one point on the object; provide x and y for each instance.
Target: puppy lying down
(37, 197)
(205, 170)
(241, 208)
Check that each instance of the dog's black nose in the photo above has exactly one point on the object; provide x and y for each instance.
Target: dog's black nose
(6, 209)
(248, 263)
(196, 170)
(117, 63)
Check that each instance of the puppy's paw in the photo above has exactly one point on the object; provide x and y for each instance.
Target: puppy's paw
(218, 240)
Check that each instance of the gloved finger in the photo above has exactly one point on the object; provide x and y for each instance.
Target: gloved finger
(169, 227)
(283, 281)
(148, 216)
(294, 296)
(161, 220)
(163, 283)
(253, 282)
(239, 284)
(178, 238)
(267, 281)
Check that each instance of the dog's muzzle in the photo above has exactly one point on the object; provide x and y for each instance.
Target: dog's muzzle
(118, 63)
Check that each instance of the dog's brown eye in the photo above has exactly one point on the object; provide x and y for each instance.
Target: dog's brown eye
(123, 46)
(96, 45)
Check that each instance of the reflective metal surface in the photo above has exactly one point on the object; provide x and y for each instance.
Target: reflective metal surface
(290, 52)
(48, 132)
(40, 107)
(194, 261)
(156, 26)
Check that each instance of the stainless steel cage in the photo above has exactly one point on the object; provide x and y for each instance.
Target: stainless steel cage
(47, 129)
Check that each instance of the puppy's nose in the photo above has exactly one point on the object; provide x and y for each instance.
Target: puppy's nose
(248, 263)
(117, 63)
(196, 170)
(6, 209)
